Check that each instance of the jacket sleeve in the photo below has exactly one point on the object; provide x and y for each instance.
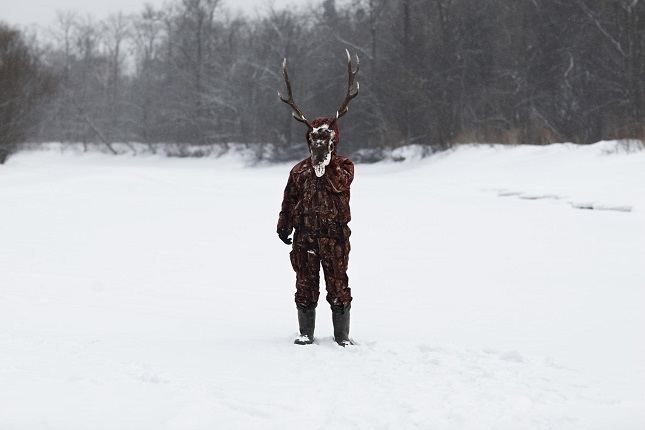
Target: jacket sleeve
(288, 203)
(339, 175)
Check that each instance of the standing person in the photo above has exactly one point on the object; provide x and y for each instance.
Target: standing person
(316, 205)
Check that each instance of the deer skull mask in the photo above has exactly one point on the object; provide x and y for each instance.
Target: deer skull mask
(323, 133)
(322, 141)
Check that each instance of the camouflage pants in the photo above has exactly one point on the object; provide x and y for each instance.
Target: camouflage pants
(330, 247)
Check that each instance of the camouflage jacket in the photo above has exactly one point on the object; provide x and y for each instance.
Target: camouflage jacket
(317, 203)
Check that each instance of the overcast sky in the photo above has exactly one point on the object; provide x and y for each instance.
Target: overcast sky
(42, 12)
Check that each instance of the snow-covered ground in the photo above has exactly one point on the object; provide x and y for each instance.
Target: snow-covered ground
(153, 293)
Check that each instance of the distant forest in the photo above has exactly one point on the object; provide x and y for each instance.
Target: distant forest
(432, 72)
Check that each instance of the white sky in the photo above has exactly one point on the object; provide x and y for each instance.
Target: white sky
(25, 13)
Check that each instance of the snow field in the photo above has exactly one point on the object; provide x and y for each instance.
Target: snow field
(153, 293)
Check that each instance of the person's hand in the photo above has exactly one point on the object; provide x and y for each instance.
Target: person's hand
(284, 236)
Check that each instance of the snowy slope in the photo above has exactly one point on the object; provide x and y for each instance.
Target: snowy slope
(152, 293)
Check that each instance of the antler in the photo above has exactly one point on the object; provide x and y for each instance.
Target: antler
(297, 113)
(350, 86)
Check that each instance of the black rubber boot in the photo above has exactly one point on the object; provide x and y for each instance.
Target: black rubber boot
(340, 318)
(307, 323)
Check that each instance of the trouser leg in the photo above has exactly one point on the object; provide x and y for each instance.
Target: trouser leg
(334, 256)
(305, 260)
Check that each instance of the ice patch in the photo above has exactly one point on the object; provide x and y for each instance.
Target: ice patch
(601, 206)
(582, 205)
(618, 208)
(576, 204)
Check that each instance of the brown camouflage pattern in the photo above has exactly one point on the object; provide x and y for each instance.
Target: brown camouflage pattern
(310, 250)
(318, 208)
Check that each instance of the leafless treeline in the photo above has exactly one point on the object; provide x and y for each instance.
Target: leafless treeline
(433, 72)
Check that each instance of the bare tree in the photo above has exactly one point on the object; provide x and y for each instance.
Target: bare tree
(22, 82)
(149, 35)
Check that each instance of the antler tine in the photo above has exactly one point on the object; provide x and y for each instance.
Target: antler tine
(297, 113)
(350, 85)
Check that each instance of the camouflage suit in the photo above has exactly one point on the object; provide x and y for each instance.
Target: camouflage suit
(318, 209)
